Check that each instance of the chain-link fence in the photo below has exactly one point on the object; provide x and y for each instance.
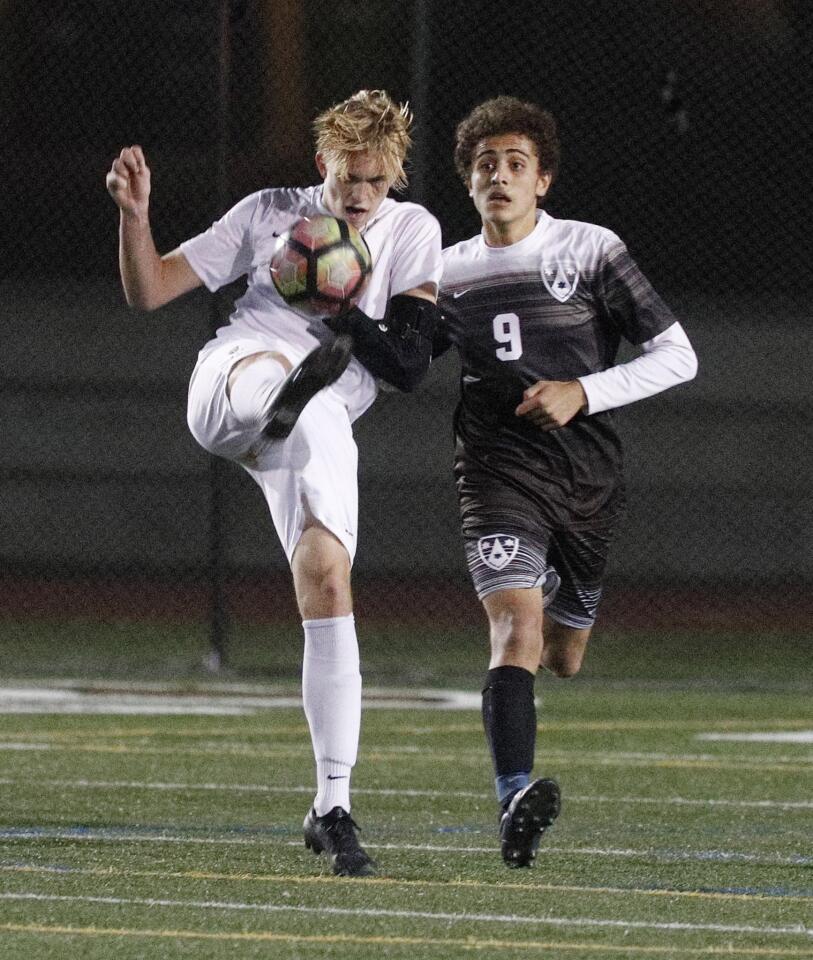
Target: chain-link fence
(683, 130)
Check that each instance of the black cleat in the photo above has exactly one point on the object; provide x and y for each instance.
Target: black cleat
(529, 814)
(335, 834)
(319, 369)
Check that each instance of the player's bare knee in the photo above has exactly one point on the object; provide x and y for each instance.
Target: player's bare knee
(333, 586)
(562, 664)
(321, 568)
(564, 648)
(251, 385)
(252, 358)
(516, 639)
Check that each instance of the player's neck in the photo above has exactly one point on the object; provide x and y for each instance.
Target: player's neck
(502, 234)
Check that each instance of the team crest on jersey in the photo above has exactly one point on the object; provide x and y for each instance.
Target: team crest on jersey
(561, 277)
(497, 550)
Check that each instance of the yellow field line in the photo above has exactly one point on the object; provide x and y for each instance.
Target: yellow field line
(264, 936)
(394, 882)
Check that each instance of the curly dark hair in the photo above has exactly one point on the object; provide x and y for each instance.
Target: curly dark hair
(507, 115)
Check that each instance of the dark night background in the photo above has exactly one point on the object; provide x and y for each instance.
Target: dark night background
(685, 128)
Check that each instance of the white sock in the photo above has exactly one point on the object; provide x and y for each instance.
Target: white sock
(253, 389)
(331, 692)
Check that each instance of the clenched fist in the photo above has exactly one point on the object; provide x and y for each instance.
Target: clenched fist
(128, 182)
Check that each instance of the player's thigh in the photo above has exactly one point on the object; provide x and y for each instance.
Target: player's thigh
(580, 558)
(311, 478)
(504, 537)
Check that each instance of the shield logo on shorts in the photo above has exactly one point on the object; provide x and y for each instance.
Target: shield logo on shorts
(497, 550)
(561, 277)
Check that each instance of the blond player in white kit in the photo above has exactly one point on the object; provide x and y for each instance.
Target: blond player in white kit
(278, 391)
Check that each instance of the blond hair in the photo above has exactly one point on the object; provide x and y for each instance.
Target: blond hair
(367, 121)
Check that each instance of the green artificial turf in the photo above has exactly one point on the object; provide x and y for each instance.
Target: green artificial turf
(175, 836)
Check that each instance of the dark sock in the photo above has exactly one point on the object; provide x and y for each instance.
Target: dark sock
(509, 720)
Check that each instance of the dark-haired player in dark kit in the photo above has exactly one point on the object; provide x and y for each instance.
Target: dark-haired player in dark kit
(536, 307)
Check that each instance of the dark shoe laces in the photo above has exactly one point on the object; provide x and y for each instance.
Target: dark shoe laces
(343, 833)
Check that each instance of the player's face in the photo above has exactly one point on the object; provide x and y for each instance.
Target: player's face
(357, 195)
(505, 184)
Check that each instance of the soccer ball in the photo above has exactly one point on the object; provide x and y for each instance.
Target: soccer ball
(321, 266)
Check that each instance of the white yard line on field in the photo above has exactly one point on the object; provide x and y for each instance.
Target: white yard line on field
(131, 699)
(393, 792)
(85, 835)
(795, 930)
(471, 756)
(776, 736)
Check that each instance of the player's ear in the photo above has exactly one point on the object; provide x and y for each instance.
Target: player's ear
(543, 182)
(321, 166)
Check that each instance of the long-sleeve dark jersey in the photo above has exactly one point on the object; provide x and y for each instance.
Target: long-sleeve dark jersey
(553, 306)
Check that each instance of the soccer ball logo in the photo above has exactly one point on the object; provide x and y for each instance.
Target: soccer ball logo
(321, 266)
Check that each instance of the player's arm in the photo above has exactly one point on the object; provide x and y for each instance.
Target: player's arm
(149, 280)
(398, 347)
(666, 360)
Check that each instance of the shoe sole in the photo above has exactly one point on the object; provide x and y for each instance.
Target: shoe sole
(536, 811)
(318, 370)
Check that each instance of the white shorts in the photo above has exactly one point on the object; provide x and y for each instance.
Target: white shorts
(311, 476)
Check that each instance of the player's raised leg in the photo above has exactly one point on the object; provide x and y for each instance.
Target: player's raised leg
(267, 393)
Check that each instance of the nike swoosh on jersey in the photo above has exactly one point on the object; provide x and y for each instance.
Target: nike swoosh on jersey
(459, 293)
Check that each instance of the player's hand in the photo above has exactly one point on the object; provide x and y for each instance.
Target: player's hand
(128, 182)
(552, 403)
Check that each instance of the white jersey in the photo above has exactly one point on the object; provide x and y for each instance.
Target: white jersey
(404, 240)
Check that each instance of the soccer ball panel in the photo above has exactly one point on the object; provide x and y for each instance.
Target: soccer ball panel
(316, 232)
(289, 271)
(338, 273)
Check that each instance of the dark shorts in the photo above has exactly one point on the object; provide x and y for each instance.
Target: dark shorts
(511, 542)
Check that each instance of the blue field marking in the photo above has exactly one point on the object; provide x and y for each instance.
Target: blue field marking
(242, 835)
(760, 891)
(145, 831)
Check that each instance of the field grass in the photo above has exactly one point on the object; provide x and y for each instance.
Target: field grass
(396, 654)
(158, 836)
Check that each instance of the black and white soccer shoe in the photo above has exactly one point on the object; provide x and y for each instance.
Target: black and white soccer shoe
(318, 370)
(335, 834)
(529, 814)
